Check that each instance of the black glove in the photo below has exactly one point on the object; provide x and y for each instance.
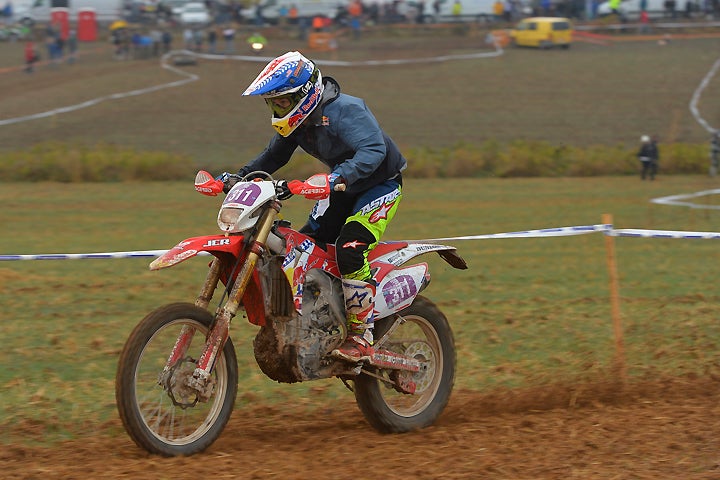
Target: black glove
(282, 190)
(229, 180)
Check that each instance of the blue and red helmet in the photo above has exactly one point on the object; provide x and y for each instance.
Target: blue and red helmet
(290, 76)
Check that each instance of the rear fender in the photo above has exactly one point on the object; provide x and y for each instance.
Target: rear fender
(191, 247)
(404, 251)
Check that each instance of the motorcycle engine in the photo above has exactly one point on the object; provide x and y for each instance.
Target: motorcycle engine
(295, 348)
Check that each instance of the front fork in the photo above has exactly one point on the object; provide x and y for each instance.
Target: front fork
(220, 331)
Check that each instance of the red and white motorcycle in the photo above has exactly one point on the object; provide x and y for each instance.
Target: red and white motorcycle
(177, 375)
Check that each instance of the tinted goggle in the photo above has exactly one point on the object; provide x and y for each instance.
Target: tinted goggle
(284, 104)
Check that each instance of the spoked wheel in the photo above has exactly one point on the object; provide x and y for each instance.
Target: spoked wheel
(160, 413)
(424, 334)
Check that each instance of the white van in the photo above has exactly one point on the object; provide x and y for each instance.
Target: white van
(270, 9)
(631, 8)
(176, 6)
(470, 10)
(32, 11)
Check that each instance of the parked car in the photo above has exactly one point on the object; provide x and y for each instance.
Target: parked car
(543, 32)
(176, 6)
(195, 14)
(270, 9)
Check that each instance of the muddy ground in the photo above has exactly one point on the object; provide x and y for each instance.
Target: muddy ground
(662, 429)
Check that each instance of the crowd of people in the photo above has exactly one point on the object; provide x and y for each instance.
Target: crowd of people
(154, 42)
(60, 47)
(140, 44)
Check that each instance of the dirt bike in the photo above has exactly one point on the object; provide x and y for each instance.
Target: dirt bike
(177, 374)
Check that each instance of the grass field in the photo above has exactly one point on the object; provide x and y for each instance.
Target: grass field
(527, 312)
(588, 95)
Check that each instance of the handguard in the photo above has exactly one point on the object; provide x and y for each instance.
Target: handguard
(207, 184)
(316, 187)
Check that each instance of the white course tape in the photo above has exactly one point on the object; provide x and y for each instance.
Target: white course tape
(545, 232)
(404, 61)
(360, 63)
(88, 256)
(696, 97)
(83, 256)
(115, 96)
(679, 199)
(246, 58)
(638, 232)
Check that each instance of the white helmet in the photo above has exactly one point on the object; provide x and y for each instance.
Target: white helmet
(645, 139)
(294, 77)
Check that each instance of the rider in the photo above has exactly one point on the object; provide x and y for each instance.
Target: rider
(309, 111)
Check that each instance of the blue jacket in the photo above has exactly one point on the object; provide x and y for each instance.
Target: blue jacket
(344, 135)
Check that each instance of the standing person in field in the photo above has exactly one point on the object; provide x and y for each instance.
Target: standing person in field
(188, 39)
(457, 9)
(229, 37)
(715, 153)
(212, 39)
(498, 10)
(72, 46)
(31, 56)
(644, 22)
(166, 41)
(310, 112)
(648, 156)
(355, 11)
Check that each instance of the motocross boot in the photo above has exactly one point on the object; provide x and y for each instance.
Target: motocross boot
(359, 307)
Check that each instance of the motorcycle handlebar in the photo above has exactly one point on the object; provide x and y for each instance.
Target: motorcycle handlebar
(317, 187)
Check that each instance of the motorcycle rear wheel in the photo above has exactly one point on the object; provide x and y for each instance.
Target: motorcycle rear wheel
(426, 336)
(153, 417)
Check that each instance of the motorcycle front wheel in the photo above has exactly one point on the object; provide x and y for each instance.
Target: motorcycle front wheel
(424, 334)
(158, 412)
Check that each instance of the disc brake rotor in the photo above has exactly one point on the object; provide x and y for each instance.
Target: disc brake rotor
(176, 384)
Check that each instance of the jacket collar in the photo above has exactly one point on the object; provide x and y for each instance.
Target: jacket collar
(331, 92)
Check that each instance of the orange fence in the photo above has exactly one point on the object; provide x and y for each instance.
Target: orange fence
(322, 41)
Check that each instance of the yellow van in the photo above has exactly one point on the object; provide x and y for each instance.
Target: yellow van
(543, 32)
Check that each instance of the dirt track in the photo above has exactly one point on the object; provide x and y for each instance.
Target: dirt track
(656, 430)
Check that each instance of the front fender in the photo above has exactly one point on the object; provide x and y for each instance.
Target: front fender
(191, 247)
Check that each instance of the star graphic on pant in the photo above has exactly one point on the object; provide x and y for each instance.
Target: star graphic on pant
(381, 213)
(356, 297)
(353, 244)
